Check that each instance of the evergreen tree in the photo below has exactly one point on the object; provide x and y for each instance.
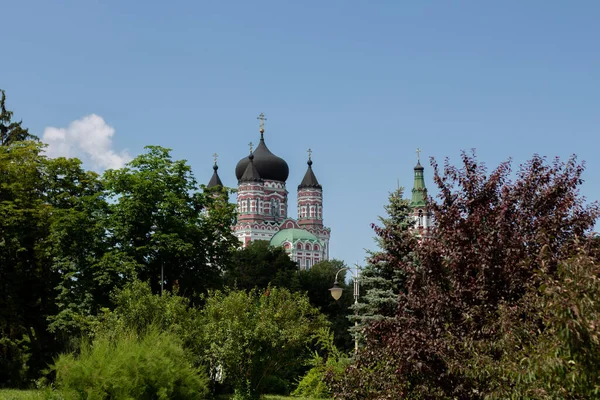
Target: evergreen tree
(10, 131)
(381, 280)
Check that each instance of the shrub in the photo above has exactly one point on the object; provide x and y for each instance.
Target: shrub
(153, 366)
(331, 364)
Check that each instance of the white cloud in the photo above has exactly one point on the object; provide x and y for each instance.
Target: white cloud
(87, 138)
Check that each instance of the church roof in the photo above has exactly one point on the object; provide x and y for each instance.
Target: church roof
(292, 235)
(309, 180)
(268, 165)
(215, 180)
(251, 173)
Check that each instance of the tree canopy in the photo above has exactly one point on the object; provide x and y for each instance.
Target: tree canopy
(482, 259)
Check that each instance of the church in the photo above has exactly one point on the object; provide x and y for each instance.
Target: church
(262, 205)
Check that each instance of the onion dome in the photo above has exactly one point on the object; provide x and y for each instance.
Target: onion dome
(250, 173)
(268, 165)
(215, 180)
(293, 235)
(309, 180)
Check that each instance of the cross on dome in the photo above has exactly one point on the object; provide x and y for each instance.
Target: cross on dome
(262, 120)
(418, 154)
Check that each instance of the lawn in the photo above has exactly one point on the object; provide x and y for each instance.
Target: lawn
(12, 394)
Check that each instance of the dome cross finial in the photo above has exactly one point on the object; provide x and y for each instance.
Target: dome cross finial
(251, 145)
(309, 151)
(262, 120)
(215, 156)
(418, 154)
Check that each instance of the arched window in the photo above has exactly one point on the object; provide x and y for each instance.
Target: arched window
(275, 207)
(299, 246)
(317, 248)
(420, 218)
(307, 247)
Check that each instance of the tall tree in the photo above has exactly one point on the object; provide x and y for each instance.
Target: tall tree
(160, 219)
(260, 265)
(489, 239)
(27, 279)
(10, 131)
(381, 281)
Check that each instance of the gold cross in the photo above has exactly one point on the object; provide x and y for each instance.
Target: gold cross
(215, 156)
(309, 153)
(418, 154)
(250, 144)
(262, 120)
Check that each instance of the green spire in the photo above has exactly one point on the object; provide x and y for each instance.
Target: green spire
(419, 191)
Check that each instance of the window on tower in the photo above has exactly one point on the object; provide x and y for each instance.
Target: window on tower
(420, 218)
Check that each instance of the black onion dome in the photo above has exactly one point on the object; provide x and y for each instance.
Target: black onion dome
(215, 180)
(419, 167)
(250, 174)
(268, 165)
(309, 180)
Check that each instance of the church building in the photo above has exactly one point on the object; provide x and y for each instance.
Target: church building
(262, 205)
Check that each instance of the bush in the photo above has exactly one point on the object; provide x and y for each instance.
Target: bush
(330, 365)
(256, 338)
(153, 366)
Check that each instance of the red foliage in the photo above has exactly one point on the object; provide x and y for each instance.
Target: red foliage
(489, 237)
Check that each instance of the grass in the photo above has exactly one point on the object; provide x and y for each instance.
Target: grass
(13, 394)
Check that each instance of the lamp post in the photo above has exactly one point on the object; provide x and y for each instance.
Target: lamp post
(336, 293)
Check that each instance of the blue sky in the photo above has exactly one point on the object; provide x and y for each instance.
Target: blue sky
(361, 83)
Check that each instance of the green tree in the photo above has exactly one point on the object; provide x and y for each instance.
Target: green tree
(10, 131)
(316, 282)
(381, 281)
(28, 206)
(77, 235)
(160, 219)
(258, 265)
(256, 337)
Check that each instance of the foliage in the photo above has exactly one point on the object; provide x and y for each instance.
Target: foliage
(557, 352)
(160, 220)
(153, 366)
(137, 309)
(27, 279)
(259, 265)
(10, 131)
(481, 259)
(331, 362)
(316, 282)
(380, 281)
(248, 337)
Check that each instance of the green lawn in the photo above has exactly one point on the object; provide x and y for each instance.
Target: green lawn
(12, 394)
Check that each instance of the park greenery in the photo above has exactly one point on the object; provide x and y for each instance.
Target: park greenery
(498, 300)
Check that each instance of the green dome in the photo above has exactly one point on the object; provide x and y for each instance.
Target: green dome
(292, 235)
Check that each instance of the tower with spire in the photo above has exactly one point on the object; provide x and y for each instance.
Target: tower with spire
(418, 202)
(262, 205)
(310, 205)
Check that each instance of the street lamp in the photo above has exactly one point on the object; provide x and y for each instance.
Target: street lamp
(336, 293)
